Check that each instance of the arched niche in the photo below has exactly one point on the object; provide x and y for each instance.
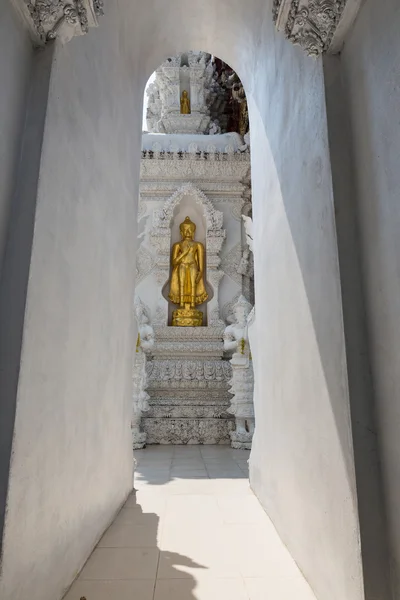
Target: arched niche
(189, 201)
(188, 207)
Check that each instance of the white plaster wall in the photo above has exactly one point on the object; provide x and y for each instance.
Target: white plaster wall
(370, 62)
(302, 460)
(74, 394)
(15, 64)
(72, 459)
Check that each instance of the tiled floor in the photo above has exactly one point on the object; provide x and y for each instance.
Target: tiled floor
(193, 531)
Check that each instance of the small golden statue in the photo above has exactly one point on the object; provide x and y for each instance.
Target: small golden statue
(187, 279)
(185, 103)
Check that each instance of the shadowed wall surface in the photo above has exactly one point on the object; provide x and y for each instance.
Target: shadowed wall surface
(71, 464)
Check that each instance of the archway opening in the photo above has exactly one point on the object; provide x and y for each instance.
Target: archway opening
(195, 168)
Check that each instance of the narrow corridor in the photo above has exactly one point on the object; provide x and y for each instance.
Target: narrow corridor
(192, 531)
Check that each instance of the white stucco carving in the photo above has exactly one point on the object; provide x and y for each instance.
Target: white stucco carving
(160, 238)
(140, 396)
(188, 376)
(191, 72)
(206, 166)
(231, 261)
(248, 225)
(48, 19)
(316, 25)
(140, 399)
(145, 261)
(195, 143)
(242, 382)
(188, 387)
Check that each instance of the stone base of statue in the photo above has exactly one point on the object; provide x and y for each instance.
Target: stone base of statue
(188, 384)
(195, 122)
(242, 385)
(138, 439)
(241, 440)
(187, 317)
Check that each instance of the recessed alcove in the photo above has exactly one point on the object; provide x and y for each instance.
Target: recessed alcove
(188, 207)
(194, 165)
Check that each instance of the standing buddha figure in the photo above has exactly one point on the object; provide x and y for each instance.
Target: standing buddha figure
(187, 287)
(185, 103)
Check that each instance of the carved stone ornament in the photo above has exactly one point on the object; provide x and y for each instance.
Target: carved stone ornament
(230, 263)
(140, 397)
(242, 382)
(160, 239)
(201, 166)
(317, 26)
(48, 19)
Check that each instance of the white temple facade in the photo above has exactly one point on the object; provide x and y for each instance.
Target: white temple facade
(188, 172)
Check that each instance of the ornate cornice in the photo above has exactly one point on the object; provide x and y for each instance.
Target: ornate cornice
(50, 19)
(318, 26)
(171, 166)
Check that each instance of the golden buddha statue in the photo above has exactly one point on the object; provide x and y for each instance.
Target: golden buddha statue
(187, 286)
(185, 103)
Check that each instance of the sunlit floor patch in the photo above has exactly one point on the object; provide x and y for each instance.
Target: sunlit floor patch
(192, 530)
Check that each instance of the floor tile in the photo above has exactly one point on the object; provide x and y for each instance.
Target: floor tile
(111, 590)
(187, 552)
(187, 464)
(122, 535)
(136, 516)
(278, 588)
(257, 550)
(190, 512)
(202, 589)
(188, 472)
(240, 509)
(149, 502)
(121, 563)
(194, 529)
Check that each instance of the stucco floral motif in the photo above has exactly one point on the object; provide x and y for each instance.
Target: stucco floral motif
(192, 167)
(163, 218)
(190, 370)
(140, 396)
(188, 431)
(145, 262)
(309, 23)
(230, 263)
(48, 19)
(242, 382)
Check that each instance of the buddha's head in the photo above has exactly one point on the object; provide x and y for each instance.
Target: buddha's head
(187, 229)
(184, 94)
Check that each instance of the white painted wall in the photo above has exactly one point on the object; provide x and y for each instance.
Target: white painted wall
(370, 62)
(15, 64)
(71, 464)
(72, 460)
(301, 465)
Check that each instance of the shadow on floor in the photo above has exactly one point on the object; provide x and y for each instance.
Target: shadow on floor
(125, 563)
